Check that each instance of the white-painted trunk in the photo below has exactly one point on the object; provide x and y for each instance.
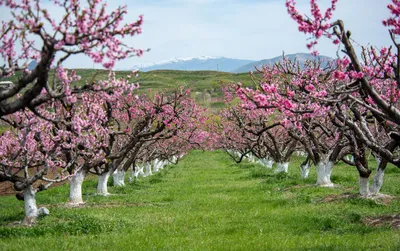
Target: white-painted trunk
(102, 187)
(250, 157)
(141, 172)
(119, 178)
(131, 178)
(282, 167)
(148, 169)
(156, 166)
(378, 181)
(266, 162)
(31, 210)
(324, 171)
(363, 184)
(378, 160)
(163, 164)
(238, 154)
(305, 170)
(75, 188)
(269, 163)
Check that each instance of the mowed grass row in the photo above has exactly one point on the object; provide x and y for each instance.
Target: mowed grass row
(207, 202)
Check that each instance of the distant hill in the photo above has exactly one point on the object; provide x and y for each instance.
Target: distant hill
(32, 65)
(299, 57)
(205, 63)
(202, 63)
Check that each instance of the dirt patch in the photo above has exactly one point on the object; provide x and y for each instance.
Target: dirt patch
(6, 189)
(337, 197)
(382, 199)
(383, 220)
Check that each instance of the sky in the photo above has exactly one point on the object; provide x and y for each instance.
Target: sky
(243, 29)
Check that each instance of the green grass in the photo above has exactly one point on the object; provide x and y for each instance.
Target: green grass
(169, 79)
(207, 202)
(204, 85)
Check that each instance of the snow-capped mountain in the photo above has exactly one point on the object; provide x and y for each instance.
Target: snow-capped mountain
(299, 57)
(204, 63)
(32, 65)
(196, 64)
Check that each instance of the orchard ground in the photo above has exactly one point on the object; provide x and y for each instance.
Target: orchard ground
(207, 202)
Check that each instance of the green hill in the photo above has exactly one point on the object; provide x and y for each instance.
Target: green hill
(168, 79)
(205, 85)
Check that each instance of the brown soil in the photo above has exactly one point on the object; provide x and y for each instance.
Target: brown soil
(6, 189)
(337, 197)
(382, 199)
(383, 220)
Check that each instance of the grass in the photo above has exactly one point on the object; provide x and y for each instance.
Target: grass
(207, 202)
(169, 79)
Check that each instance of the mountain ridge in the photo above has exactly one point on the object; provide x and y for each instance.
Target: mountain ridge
(299, 57)
(196, 64)
(233, 65)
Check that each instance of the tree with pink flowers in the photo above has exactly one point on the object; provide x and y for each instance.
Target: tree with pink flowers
(34, 34)
(56, 129)
(168, 125)
(59, 140)
(364, 89)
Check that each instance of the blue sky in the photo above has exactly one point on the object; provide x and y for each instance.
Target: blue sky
(246, 29)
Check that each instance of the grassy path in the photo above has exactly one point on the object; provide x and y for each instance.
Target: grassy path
(207, 202)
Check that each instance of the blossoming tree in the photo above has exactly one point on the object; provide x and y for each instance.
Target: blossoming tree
(33, 33)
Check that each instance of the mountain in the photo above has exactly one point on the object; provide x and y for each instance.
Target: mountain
(300, 57)
(202, 63)
(32, 65)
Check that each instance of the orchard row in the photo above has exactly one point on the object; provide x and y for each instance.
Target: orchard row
(59, 131)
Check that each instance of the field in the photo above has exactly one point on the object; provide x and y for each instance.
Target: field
(207, 202)
(204, 85)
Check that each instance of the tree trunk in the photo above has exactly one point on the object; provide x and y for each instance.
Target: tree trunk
(148, 169)
(119, 178)
(363, 184)
(250, 157)
(31, 210)
(378, 181)
(75, 188)
(102, 188)
(269, 163)
(163, 163)
(156, 164)
(139, 171)
(305, 170)
(324, 171)
(282, 167)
